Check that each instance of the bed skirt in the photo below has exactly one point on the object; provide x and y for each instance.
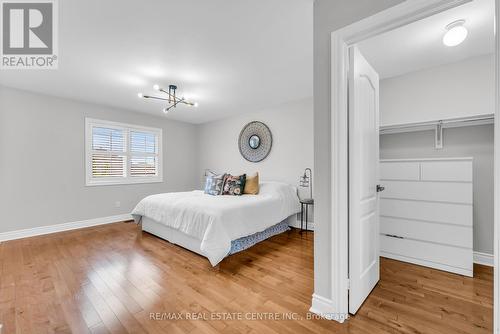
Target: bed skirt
(241, 244)
(193, 244)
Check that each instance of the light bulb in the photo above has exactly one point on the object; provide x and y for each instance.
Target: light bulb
(195, 104)
(156, 87)
(140, 95)
(456, 33)
(165, 111)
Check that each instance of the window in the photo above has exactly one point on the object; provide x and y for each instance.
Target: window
(119, 153)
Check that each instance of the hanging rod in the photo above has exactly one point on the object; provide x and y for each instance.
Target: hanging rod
(445, 123)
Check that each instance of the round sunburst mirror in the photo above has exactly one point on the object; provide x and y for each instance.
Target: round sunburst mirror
(255, 141)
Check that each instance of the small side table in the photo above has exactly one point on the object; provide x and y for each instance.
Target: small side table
(304, 209)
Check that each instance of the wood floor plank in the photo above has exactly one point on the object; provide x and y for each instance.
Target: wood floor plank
(117, 279)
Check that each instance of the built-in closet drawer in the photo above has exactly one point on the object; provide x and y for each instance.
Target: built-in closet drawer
(426, 212)
(458, 171)
(445, 234)
(443, 257)
(446, 213)
(400, 171)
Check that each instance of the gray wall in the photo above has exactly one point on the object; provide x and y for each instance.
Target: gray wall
(329, 16)
(291, 125)
(42, 161)
(474, 141)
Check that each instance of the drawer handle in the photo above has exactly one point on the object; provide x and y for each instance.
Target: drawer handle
(394, 236)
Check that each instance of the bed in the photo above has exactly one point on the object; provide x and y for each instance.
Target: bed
(218, 226)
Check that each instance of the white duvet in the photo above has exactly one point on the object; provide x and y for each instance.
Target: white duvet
(217, 220)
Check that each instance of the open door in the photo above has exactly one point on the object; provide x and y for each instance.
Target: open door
(363, 178)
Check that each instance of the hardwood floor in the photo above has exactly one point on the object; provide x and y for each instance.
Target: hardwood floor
(116, 279)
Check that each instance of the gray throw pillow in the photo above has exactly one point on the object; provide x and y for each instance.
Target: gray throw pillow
(214, 184)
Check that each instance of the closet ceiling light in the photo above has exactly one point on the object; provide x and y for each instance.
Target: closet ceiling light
(455, 34)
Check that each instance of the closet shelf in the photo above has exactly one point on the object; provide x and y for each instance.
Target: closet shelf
(431, 125)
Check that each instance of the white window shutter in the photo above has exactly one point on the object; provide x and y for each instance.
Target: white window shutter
(143, 148)
(108, 152)
(120, 153)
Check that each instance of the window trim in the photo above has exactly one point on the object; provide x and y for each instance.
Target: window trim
(90, 181)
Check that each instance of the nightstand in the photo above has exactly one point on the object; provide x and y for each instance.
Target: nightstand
(304, 210)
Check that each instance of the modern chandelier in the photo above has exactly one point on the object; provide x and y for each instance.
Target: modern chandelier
(170, 97)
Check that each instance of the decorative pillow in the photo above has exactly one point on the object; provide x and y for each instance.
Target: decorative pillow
(252, 184)
(234, 185)
(214, 184)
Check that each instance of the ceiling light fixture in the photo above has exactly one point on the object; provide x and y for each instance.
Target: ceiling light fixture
(171, 98)
(455, 34)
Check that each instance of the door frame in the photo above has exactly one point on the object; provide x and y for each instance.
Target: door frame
(392, 18)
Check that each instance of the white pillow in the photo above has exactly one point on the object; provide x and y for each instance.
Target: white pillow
(274, 186)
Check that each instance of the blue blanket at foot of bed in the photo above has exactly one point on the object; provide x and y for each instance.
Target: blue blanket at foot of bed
(243, 243)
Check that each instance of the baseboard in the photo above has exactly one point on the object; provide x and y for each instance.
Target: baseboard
(324, 307)
(484, 259)
(421, 262)
(296, 223)
(31, 232)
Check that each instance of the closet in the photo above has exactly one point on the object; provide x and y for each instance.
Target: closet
(436, 108)
(427, 210)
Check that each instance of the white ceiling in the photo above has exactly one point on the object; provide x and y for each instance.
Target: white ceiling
(231, 56)
(419, 45)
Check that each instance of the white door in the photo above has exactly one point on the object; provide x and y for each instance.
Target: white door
(363, 179)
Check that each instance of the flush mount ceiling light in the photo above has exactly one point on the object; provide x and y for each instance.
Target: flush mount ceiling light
(170, 97)
(455, 34)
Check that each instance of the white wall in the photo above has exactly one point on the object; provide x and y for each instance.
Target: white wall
(291, 125)
(42, 161)
(474, 141)
(328, 16)
(455, 90)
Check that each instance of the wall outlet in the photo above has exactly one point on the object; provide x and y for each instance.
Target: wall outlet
(118, 204)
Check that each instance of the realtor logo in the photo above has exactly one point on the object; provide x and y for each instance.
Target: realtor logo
(29, 34)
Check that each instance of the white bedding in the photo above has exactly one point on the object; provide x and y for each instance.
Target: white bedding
(217, 220)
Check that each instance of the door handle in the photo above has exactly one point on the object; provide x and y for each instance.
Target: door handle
(380, 188)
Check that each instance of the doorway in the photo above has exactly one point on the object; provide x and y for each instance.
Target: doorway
(342, 40)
